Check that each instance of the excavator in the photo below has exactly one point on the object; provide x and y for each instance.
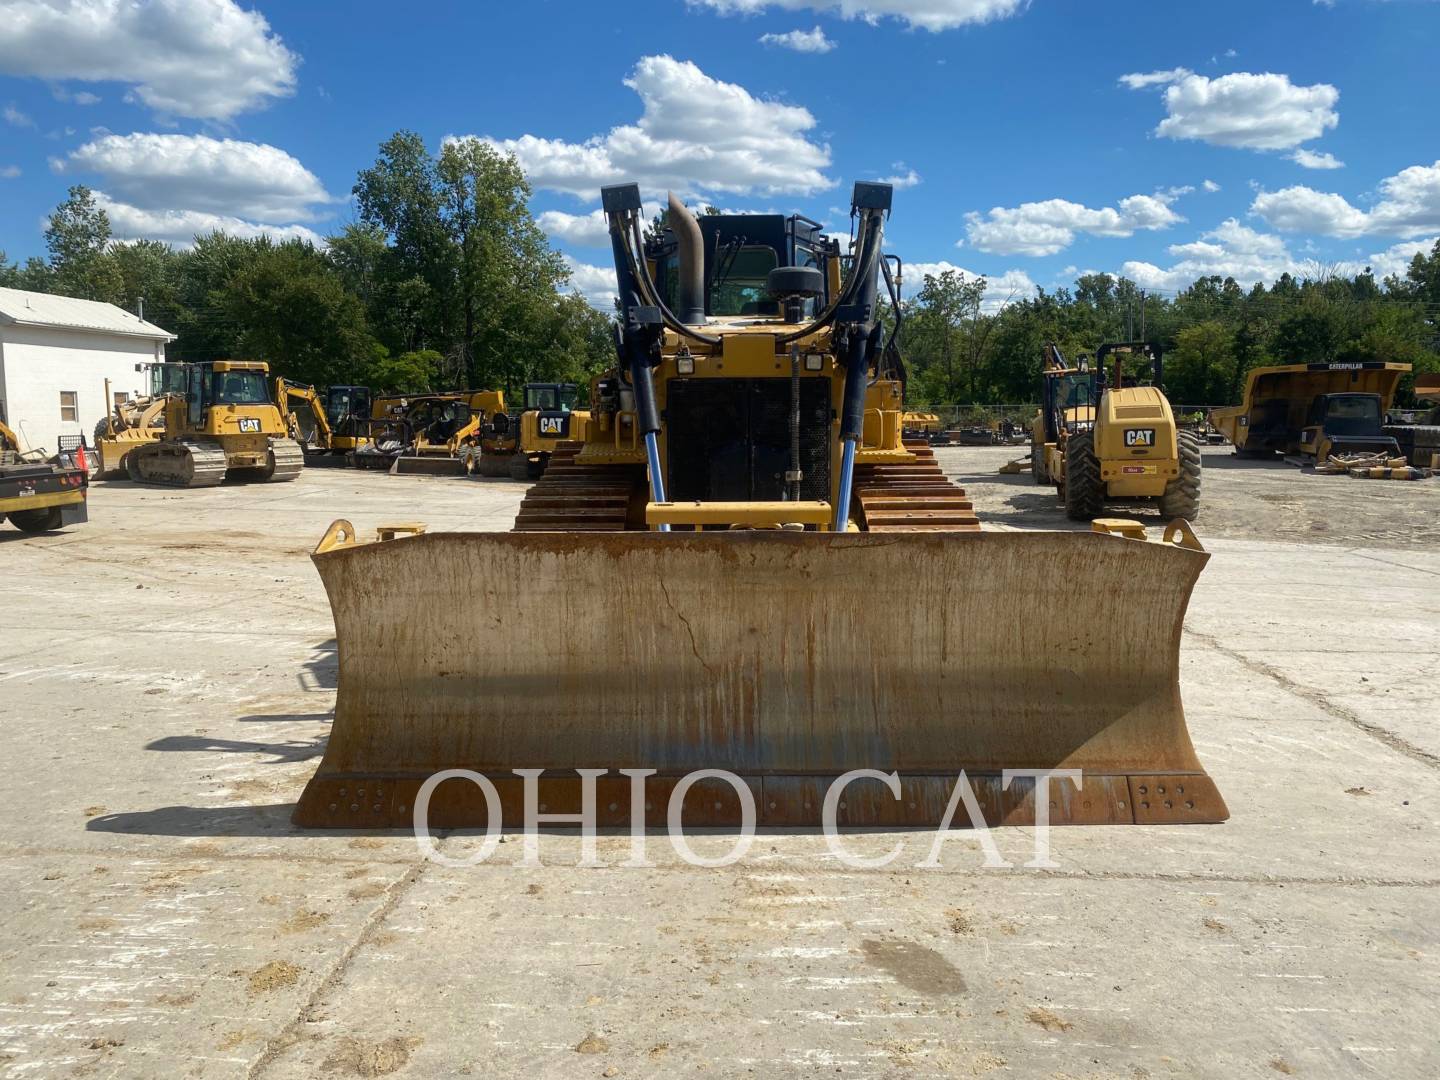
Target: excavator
(223, 420)
(745, 567)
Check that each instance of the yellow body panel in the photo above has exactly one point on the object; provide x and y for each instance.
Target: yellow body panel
(38, 502)
(748, 351)
(739, 514)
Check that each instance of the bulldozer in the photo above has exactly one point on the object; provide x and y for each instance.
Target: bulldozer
(1116, 436)
(223, 420)
(550, 422)
(755, 573)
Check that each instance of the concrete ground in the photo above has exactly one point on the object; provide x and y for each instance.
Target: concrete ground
(167, 676)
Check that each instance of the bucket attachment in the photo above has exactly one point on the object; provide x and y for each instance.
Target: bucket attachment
(786, 658)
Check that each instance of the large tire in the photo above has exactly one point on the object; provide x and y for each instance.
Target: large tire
(45, 519)
(1182, 495)
(1084, 490)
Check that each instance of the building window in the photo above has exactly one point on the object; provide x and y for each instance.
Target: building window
(69, 408)
(120, 398)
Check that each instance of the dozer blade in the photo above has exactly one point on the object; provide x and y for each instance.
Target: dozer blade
(785, 658)
(427, 465)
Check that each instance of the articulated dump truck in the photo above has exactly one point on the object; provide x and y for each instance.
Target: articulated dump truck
(744, 567)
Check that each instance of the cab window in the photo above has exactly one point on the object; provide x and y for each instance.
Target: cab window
(739, 287)
(238, 388)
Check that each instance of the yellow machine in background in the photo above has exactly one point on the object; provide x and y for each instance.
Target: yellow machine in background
(1067, 403)
(450, 433)
(755, 573)
(224, 420)
(1313, 410)
(137, 420)
(550, 422)
(1124, 445)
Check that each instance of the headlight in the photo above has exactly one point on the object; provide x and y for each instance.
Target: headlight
(814, 362)
(685, 365)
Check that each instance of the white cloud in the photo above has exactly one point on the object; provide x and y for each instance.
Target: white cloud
(1230, 250)
(804, 41)
(1154, 78)
(1257, 112)
(900, 183)
(1396, 258)
(1210, 186)
(1311, 159)
(15, 118)
(584, 230)
(9, 172)
(932, 15)
(79, 97)
(595, 283)
(1000, 289)
(195, 172)
(1409, 204)
(695, 134)
(180, 227)
(1045, 228)
(209, 59)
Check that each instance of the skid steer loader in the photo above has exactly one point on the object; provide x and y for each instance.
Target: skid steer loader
(745, 568)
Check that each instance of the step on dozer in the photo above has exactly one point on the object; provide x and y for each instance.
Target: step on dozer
(744, 567)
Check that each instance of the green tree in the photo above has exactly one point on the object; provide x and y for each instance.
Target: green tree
(290, 307)
(77, 234)
(1201, 367)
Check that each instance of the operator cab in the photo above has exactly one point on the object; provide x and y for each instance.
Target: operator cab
(1346, 414)
(551, 397)
(740, 251)
(343, 403)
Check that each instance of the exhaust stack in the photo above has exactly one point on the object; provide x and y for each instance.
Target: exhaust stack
(691, 310)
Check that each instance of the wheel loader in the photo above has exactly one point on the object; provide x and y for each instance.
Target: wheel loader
(136, 420)
(746, 568)
(223, 421)
(1065, 396)
(1122, 445)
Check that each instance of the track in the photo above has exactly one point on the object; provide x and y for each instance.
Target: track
(187, 464)
(289, 460)
(571, 497)
(915, 497)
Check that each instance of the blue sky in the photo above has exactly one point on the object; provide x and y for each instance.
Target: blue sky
(1032, 140)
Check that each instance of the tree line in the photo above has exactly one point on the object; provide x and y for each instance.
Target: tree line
(1211, 333)
(443, 280)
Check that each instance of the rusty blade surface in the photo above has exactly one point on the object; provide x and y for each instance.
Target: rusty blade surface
(786, 658)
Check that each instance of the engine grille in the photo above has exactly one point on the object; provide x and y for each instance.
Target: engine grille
(729, 439)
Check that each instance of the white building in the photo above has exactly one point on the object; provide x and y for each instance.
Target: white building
(55, 355)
